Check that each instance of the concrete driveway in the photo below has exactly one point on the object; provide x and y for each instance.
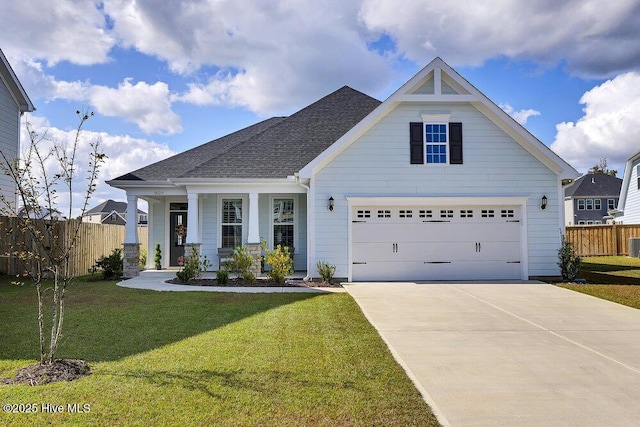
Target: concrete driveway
(525, 354)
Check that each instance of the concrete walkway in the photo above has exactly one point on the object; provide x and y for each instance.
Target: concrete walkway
(504, 354)
(155, 280)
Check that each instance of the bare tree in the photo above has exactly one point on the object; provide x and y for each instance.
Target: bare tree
(47, 240)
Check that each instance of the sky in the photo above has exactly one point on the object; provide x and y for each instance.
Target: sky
(165, 76)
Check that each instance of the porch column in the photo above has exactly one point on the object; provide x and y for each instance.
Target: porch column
(131, 228)
(193, 219)
(253, 234)
(131, 255)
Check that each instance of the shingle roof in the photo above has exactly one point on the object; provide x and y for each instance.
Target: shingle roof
(594, 185)
(110, 206)
(275, 148)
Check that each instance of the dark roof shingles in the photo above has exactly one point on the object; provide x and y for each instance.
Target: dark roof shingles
(594, 185)
(275, 148)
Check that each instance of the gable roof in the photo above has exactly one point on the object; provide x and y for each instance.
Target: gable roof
(110, 206)
(275, 148)
(594, 185)
(439, 83)
(13, 84)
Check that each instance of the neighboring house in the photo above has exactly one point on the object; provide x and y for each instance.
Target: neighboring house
(13, 103)
(591, 199)
(42, 213)
(628, 211)
(112, 212)
(436, 182)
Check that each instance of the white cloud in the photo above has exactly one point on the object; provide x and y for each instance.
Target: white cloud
(593, 40)
(609, 127)
(520, 116)
(148, 106)
(61, 30)
(124, 155)
(271, 57)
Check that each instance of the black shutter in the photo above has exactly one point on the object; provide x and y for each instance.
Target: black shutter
(416, 143)
(455, 143)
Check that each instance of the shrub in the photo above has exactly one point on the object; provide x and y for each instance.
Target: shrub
(222, 276)
(280, 261)
(111, 265)
(193, 267)
(569, 262)
(241, 262)
(157, 259)
(142, 262)
(326, 271)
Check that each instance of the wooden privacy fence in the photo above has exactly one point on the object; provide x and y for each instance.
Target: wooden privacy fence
(94, 241)
(602, 240)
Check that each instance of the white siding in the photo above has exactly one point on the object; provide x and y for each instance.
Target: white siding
(632, 204)
(157, 232)
(9, 139)
(209, 229)
(377, 164)
(568, 212)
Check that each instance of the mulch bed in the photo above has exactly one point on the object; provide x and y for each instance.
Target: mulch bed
(260, 283)
(59, 370)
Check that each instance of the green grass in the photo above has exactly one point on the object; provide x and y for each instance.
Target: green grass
(209, 359)
(612, 278)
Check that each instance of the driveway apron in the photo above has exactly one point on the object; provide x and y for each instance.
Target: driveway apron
(512, 354)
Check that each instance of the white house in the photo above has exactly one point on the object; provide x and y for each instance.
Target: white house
(13, 103)
(436, 182)
(628, 211)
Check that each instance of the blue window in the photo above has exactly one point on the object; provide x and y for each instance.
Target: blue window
(436, 143)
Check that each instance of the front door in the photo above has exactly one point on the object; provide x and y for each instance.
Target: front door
(178, 235)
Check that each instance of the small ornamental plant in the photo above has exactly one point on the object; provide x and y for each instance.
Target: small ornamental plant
(568, 261)
(157, 259)
(241, 262)
(280, 261)
(326, 271)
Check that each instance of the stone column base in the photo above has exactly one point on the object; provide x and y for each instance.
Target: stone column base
(189, 248)
(255, 249)
(131, 260)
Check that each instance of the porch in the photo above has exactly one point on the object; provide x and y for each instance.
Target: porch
(216, 222)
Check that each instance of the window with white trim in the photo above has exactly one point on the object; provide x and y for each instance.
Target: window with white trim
(611, 204)
(436, 137)
(231, 231)
(283, 222)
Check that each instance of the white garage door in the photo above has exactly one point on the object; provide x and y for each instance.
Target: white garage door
(436, 243)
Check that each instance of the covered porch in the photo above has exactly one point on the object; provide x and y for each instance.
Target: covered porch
(215, 219)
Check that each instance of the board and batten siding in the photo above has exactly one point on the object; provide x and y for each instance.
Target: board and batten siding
(377, 164)
(9, 139)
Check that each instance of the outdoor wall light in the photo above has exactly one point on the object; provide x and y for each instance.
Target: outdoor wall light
(543, 205)
(331, 203)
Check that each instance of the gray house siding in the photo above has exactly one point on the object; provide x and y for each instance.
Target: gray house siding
(9, 139)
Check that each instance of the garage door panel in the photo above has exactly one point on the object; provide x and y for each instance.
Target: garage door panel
(388, 271)
(418, 243)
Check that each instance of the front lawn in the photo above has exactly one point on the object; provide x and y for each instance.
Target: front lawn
(201, 358)
(613, 278)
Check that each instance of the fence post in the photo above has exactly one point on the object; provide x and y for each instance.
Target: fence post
(614, 231)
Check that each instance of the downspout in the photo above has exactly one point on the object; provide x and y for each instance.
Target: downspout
(308, 191)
